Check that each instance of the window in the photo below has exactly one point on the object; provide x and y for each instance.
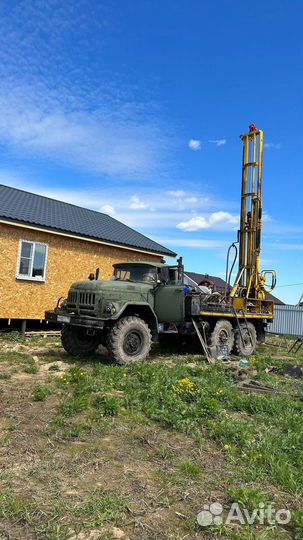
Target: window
(32, 261)
(134, 272)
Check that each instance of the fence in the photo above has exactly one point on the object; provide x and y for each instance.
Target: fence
(288, 321)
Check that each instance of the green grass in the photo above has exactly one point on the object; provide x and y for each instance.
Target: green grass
(15, 508)
(258, 438)
(189, 469)
(32, 369)
(263, 431)
(40, 393)
(248, 497)
(103, 507)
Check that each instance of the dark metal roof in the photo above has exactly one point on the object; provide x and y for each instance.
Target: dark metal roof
(198, 278)
(141, 263)
(31, 209)
(219, 284)
(274, 299)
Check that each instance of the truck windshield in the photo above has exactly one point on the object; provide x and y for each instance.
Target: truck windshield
(136, 273)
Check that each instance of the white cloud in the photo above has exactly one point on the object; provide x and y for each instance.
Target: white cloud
(286, 246)
(192, 199)
(266, 218)
(178, 193)
(98, 141)
(52, 109)
(194, 144)
(108, 209)
(218, 142)
(137, 204)
(276, 146)
(194, 224)
(192, 243)
(220, 217)
(197, 223)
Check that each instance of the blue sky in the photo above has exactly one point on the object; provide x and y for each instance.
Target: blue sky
(135, 109)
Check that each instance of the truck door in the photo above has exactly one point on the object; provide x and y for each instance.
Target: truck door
(169, 303)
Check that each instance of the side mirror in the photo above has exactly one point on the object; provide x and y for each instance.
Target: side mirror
(91, 276)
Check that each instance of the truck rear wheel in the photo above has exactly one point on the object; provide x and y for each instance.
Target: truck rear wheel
(248, 345)
(222, 337)
(129, 340)
(77, 342)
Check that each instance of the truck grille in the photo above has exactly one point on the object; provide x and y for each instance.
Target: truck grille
(87, 298)
(83, 300)
(72, 297)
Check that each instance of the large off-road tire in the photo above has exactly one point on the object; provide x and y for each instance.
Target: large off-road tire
(222, 338)
(249, 337)
(77, 342)
(129, 340)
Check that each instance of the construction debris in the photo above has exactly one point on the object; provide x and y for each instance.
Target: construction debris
(293, 370)
(253, 386)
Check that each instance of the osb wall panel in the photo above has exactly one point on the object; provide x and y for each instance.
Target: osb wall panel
(69, 260)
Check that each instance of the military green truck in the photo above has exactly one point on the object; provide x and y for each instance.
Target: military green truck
(126, 313)
(146, 301)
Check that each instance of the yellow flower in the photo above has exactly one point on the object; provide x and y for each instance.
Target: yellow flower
(220, 392)
(186, 388)
(227, 447)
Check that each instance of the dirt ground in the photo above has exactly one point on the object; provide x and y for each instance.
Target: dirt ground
(124, 476)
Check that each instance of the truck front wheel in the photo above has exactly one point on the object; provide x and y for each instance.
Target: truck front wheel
(77, 342)
(129, 340)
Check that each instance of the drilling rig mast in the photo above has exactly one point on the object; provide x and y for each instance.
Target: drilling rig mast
(250, 281)
(245, 305)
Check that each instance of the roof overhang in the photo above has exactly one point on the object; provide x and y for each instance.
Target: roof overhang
(83, 238)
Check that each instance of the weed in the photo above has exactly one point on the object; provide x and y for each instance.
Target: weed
(32, 369)
(15, 358)
(107, 405)
(164, 452)
(232, 432)
(73, 431)
(297, 519)
(190, 469)
(15, 508)
(53, 531)
(247, 532)
(53, 367)
(40, 393)
(4, 376)
(186, 389)
(103, 507)
(72, 406)
(248, 497)
(13, 337)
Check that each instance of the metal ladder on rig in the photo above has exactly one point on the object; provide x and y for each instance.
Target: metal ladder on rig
(239, 325)
(202, 340)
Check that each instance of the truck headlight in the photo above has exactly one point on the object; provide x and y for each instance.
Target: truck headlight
(110, 308)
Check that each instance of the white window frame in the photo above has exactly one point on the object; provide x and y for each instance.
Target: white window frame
(30, 277)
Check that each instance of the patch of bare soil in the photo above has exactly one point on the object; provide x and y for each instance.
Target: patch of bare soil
(139, 460)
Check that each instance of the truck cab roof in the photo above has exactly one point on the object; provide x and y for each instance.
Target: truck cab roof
(141, 263)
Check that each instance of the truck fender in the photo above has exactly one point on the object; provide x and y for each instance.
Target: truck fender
(144, 310)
